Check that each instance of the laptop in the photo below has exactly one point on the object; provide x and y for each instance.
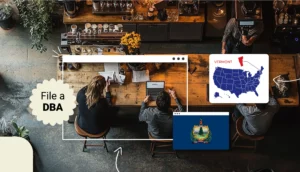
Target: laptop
(154, 87)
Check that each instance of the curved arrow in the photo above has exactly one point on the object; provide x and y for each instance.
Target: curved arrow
(116, 163)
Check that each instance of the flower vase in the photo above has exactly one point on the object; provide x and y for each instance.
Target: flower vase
(137, 66)
(134, 66)
(124, 48)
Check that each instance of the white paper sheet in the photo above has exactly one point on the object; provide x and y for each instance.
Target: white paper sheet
(109, 67)
(140, 76)
(100, 51)
(113, 77)
(108, 74)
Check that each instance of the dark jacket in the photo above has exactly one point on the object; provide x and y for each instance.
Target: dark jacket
(232, 30)
(257, 122)
(160, 123)
(96, 119)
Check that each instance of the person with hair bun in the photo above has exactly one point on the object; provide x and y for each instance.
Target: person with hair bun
(94, 108)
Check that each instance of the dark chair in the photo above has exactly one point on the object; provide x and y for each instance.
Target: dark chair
(160, 144)
(86, 135)
(241, 134)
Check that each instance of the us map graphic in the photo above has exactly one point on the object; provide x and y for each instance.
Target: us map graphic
(236, 81)
(238, 84)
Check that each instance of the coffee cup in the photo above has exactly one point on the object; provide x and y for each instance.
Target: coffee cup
(88, 28)
(88, 31)
(94, 27)
(116, 29)
(111, 27)
(120, 26)
(100, 28)
(105, 28)
(73, 29)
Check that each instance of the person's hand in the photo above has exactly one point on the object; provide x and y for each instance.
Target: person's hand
(146, 100)
(223, 51)
(172, 94)
(107, 85)
(244, 40)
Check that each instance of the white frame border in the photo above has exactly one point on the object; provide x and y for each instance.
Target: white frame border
(129, 58)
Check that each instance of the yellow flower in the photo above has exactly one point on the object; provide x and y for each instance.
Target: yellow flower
(131, 40)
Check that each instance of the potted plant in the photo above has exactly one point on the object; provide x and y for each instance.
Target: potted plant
(36, 16)
(13, 129)
(6, 20)
(131, 43)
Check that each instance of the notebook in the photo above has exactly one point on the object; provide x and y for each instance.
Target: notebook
(154, 87)
(140, 76)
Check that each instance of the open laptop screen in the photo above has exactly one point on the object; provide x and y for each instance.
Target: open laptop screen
(154, 87)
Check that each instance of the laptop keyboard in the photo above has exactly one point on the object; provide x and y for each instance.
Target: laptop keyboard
(153, 92)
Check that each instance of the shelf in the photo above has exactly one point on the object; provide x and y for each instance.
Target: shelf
(110, 12)
(86, 16)
(103, 36)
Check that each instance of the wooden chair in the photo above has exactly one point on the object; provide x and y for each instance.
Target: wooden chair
(241, 134)
(160, 144)
(86, 135)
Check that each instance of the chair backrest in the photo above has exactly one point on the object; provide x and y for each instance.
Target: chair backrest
(240, 131)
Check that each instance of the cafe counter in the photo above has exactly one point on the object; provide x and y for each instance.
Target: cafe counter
(186, 28)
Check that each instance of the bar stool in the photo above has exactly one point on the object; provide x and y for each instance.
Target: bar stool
(160, 144)
(241, 134)
(86, 135)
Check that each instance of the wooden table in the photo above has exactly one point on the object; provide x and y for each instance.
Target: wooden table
(132, 94)
(279, 64)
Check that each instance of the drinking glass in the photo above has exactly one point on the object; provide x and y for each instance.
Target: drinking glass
(122, 5)
(116, 5)
(129, 5)
(96, 5)
(109, 5)
(102, 5)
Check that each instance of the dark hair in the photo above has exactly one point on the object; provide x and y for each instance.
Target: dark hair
(163, 101)
(261, 106)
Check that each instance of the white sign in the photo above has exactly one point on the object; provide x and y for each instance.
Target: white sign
(238, 78)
